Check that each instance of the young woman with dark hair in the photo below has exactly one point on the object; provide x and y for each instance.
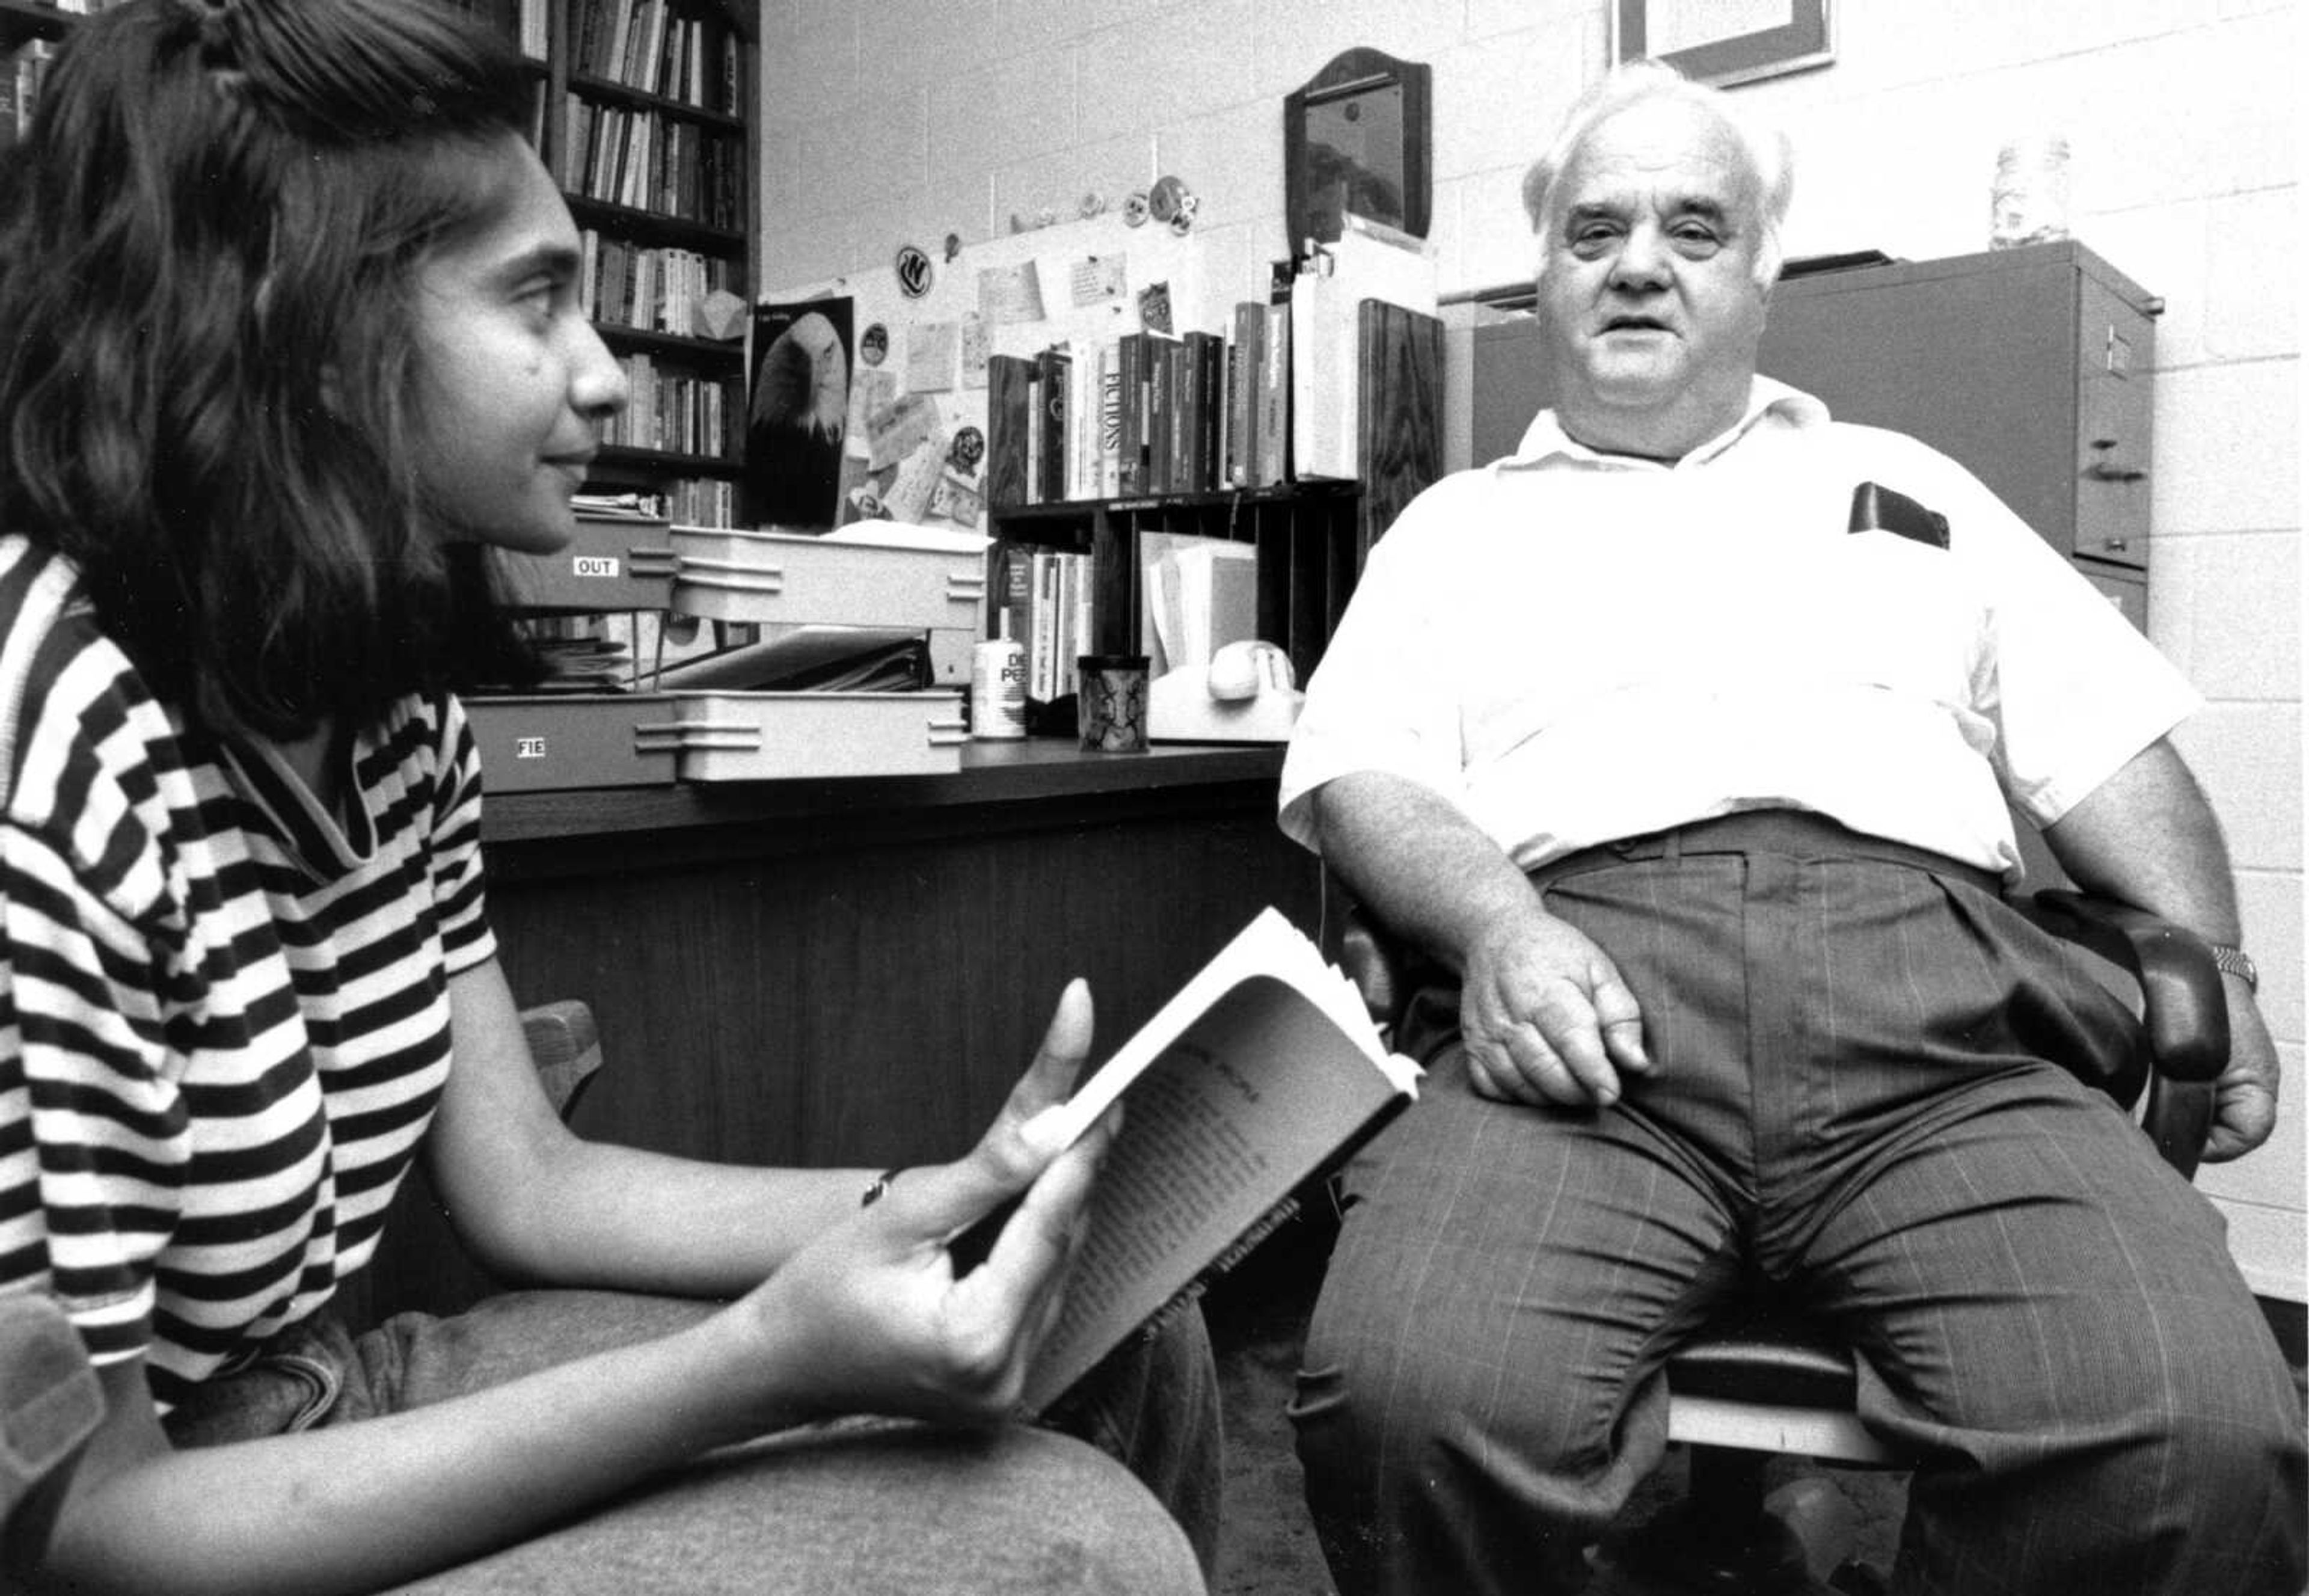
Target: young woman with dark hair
(291, 338)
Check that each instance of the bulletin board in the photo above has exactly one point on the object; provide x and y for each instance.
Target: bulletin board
(923, 326)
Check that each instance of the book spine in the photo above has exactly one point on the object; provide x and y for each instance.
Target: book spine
(1053, 368)
(1132, 472)
(1109, 420)
(1250, 325)
(1162, 397)
(1007, 428)
(1085, 611)
(1042, 628)
(1274, 396)
(1034, 491)
(1204, 359)
(1083, 425)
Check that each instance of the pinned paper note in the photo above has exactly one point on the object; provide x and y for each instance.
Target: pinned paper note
(872, 389)
(929, 357)
(1097, 279)
(1010, 294)
(898, 429)
(908, 495)
(955, 499)
(973, 352)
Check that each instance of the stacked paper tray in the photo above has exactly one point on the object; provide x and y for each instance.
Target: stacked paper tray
(609, 564)
(727, 574)
(535, 744)
(743, 736)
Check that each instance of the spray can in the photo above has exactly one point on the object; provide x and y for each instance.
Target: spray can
(997, 686)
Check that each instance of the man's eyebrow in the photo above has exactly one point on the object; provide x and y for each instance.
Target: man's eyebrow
(1703, 207)
(1586, 210)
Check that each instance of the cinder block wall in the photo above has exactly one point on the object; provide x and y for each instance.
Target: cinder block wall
(893, 121)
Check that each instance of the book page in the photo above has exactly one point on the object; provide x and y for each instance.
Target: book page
(1269, 945)
(1264, 1086)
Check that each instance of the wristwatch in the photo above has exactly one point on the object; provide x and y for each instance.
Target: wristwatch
(2234, 961)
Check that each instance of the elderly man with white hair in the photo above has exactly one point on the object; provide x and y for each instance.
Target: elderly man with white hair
(1686, 739)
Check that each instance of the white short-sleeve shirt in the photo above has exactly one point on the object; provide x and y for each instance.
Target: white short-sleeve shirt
(1575, 647)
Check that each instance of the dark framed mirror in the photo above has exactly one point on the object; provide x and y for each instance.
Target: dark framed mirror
(1355, 138)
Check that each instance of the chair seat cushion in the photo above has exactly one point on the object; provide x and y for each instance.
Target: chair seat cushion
(1766, 1356)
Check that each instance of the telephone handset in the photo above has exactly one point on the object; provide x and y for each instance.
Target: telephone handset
(1248, 693)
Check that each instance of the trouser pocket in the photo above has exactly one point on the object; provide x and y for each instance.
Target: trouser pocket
(287, 1389)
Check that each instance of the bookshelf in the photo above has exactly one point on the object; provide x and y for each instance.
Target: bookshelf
(28, 37)
(1311, 535)
(643, 112)
(645, 124)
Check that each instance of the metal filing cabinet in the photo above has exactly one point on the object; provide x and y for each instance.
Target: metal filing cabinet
(2030, 366)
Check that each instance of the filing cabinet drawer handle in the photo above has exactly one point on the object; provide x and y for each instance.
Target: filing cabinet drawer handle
(2103, 470)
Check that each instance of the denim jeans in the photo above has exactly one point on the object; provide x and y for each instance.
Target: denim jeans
(856, 1505)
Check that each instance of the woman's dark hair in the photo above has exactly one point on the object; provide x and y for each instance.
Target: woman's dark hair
(207, 244)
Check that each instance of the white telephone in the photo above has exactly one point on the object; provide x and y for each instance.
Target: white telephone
(1248, 693)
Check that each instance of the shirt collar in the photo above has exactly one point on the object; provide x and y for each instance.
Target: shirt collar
(1545, 440)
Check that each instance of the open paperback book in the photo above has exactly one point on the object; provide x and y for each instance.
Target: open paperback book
(1264, 1069)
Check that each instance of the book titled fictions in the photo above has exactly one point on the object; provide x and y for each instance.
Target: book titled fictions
(1263, 1069)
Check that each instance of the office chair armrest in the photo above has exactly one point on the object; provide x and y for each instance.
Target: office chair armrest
(566, 1048)
(2184, 1011)
(1373, 961)
(2185, 1008)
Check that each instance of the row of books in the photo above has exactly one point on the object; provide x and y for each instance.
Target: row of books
(646, 45)
(684, 501)
(532, 29)
(658, 290)
(699, 501)
(650, 161)
(1144, 412)
(1047, 605)
(22, 72)
(680, 412)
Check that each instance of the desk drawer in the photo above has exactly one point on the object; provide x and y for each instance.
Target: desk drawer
(726, 574)
(736, 736)
(540, 742)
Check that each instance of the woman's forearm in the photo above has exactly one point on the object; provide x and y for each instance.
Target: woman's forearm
(372, 1504)
(601, 1215)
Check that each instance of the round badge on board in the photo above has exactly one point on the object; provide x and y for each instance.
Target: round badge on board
(915, 272)
(968, 448)
(874, 345)
(1163, 199)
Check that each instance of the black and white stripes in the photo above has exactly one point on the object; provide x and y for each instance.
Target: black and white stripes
(223, 1011)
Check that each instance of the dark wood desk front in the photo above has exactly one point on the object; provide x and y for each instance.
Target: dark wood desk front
(855, 971)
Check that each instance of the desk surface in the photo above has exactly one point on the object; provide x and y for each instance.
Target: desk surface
(992, 772)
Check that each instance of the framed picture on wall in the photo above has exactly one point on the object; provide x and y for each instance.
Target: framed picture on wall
(1724, 42)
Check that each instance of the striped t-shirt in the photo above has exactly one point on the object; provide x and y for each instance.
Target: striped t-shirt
(224, 1018)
